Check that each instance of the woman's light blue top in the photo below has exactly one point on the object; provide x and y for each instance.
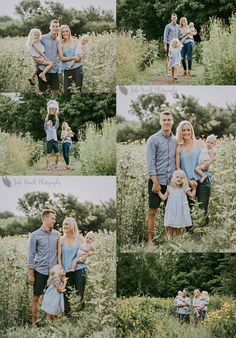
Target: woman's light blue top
(70, 52)
(69, 253)
(189, 161)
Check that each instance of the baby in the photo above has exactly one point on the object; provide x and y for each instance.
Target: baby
(193, 31)
(82, 49)
(86, 249)
(207, 156)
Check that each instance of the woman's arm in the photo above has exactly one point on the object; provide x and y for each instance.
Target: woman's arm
(59, 248)
(177, 157)
(62, 57)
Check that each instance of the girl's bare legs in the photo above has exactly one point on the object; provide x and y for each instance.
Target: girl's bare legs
(169, 232)
(175, 72)
(178, 231)
(49, 317)
(32, 77)
(48, 161)
(48, 65)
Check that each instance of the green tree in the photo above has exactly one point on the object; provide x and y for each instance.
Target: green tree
(26, 9)
(33, 203)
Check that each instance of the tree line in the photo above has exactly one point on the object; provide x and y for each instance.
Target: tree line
(209, 119)
(32, 13)
(151, 16)
(28, 113)
(164, 275)
(89, 216)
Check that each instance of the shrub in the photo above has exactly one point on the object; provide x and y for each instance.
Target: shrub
(98, 150)
(218, 54)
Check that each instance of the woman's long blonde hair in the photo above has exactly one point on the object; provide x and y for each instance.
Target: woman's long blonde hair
(60, 33)
(181, 19)
(74, 227)
(179, 131)
(31, 35)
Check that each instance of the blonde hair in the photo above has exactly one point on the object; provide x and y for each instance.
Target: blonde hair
(55, 274)
(64, 125)
(60, 33)
(196, 293)
(185, 184)
(191, 23)
(90, 233)
(181, 19)
(52, 104)
(205, 296)
(173, 41)
(31, 36)
(85, 37)
(73, 224)
(212, 138)
(179, 131)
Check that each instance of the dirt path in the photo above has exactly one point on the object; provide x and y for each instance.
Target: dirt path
(55, 172)
(163, 79)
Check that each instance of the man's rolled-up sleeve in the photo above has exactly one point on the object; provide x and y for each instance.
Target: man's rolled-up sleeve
(151, 157)
(31, 252)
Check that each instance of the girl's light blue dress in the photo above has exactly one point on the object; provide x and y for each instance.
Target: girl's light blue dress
(177, 212)
(53, 300)
(175, 60)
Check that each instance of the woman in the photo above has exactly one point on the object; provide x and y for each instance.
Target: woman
(68, 246)
(70, 50)
(66, 135)
(187, 153)
(186, 39)
(196, 301)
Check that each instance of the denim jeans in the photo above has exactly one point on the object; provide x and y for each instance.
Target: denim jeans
(203, 193)
(187, 49)
(66, 150)
(73, 76)
(77, 280)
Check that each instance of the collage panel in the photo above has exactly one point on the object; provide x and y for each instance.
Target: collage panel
(181, 42)
(58, 167)
(79, 214)
(176, 143)
(176, 295)
(57, 135)
(63, 46)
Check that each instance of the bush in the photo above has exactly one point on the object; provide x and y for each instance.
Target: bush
(218, 54)
(98, 150)
(17, 153)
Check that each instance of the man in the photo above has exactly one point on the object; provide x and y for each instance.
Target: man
(51, 132)
(42, 256)
(171, 32)
(183, 308)
(161, 148)
(50, 43)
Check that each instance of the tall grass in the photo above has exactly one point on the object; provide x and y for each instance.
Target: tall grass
(98, 150)
(99, 64)
(18, 153)
(98, 317)
(132, 205)
(218, 52)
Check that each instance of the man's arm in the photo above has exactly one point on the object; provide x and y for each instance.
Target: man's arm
(151, 164)
(30, 262)
(57, 122)
(45, 122)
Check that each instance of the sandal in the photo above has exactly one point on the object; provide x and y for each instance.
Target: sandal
(32, 81)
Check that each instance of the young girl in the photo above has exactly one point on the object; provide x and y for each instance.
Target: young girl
(207, 156)
(174, 57)
(86, 249)
(37, 50)
(53, 300)
(177, 212)
(81, 51)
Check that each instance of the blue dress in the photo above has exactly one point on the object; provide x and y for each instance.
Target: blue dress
(53, 300)
(176, 57)
(177, 212)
